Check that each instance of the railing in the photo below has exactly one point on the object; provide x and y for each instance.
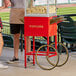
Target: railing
(66, 30)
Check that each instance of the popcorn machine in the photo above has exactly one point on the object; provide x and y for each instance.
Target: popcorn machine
(38, 14)
(40, 8)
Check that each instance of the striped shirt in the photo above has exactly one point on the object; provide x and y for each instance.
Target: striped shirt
(1, 23)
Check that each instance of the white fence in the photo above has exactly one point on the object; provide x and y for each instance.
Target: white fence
(58, 1)
(66, 1)
(40, 2)
(72, 1)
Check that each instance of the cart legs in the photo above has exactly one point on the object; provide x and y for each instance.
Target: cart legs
(55, 41)
(33, 50)
(25, 53)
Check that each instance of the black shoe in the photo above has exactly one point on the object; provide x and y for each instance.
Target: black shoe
(14, 60)
(29, 60)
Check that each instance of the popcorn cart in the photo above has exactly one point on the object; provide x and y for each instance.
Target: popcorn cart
(38, 14)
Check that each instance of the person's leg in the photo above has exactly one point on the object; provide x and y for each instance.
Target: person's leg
(16, 45)
(15, 30)
(28, 46)
(1, 43)
(1, 46)
(28, 43)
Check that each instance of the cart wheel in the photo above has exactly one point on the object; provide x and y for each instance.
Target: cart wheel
(63, 54)
(41, 55)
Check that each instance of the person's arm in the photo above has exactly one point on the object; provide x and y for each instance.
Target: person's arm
(0, 24)
(0, 29)
(3, 5)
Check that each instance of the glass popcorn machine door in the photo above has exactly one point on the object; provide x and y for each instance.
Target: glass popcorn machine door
(40, 8)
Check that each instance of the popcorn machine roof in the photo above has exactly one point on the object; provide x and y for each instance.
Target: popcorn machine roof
(40, 8)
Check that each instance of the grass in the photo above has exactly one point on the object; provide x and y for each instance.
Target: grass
(67, 10)
(5, 16)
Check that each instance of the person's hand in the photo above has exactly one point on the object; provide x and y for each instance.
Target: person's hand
(2, 7)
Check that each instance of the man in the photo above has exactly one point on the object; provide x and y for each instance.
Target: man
(17, 12)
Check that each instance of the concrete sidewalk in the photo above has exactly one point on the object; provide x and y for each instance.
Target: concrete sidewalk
(69, 69)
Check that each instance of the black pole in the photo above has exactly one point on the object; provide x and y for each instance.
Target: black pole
(21, 40)
(67, 15)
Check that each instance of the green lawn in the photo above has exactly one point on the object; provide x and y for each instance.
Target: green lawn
(5, 16)
(67, 10)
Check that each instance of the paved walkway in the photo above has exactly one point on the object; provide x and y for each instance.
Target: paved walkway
(18, 69)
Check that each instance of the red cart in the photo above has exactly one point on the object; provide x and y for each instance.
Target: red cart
(38, 24)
